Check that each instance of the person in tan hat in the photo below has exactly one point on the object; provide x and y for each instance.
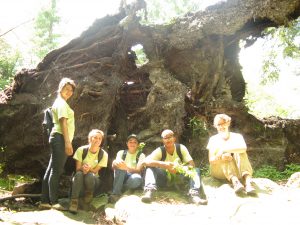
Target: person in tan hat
(161, 164)
(228, 157)
(127, 168)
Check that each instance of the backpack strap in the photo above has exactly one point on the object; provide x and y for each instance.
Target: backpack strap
(164, 153)
(138, 156)
(85, 152)
(124, 155)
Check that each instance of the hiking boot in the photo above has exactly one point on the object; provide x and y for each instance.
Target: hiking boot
(73, 205)
(59, 207)
(88, 197)
(113, 198)
(44, 206)
(197, 200)
(238, 187)
(147, 196)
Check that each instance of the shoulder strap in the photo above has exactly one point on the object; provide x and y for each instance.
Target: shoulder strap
(163, 153)
(138, 156)
(178, 151)
(84, 152)
(124, 154)
(100, 154)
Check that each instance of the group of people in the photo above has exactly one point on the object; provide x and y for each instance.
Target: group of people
(132, 169)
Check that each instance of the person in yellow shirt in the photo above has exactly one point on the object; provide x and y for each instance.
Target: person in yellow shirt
(162, 161)
(127, 168)
(89, 161)
(60, 141)
(228, 157)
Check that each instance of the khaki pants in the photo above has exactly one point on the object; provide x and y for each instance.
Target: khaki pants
(238, 166)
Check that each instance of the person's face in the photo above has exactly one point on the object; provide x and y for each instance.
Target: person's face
(222, 126)
(66, 92)
(169, 140)
(96, 139)
(132, 144)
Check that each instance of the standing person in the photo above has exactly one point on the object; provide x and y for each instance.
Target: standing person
(228, 157)
(89, 161)
(60, 141)
(127, 168)
(162, 160)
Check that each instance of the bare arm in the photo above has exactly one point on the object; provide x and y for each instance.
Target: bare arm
(161, 164)
(64, 127)
(121, 165)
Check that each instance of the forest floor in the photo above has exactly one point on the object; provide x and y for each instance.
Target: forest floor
(273, 204)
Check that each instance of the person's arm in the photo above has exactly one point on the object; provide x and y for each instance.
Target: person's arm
(64, 127)
(96, 169)
(82, 167)
(149, 162)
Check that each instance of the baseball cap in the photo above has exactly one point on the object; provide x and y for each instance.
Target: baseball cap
(133, 136)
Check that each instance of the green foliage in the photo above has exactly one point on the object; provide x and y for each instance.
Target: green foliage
(141, 57)
(284, 43)
(11, 180)
(141, 146)
(272, 173)
(198, 126)
(45, 39)
(164, 12)
(205, 171)
(9, 60)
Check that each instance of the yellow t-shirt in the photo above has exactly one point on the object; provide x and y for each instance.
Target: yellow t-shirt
(186, 157)
(61, 109)
(130, 159)
(91, 158)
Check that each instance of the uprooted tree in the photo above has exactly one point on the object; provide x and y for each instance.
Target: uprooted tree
(192, 73)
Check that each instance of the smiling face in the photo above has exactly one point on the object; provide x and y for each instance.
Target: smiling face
(66, 92)
(132, 145)
(95, 140)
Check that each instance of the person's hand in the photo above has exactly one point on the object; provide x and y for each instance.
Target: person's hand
(170, 167)
(85, 168)
(68, 149)
(120, 164)
(226, 157)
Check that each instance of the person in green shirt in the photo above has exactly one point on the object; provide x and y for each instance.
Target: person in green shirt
(86, 179)
(60, 141)
(127, 168)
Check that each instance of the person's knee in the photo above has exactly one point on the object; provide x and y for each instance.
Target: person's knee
(135, 181)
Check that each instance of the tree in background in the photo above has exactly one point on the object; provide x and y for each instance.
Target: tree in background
(45, 39)
(9, 60)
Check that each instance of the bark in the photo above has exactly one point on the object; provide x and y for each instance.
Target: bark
(193, 71)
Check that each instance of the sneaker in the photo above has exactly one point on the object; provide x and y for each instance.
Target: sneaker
(59, 207)
(44, 206)
(197, 200)
(238, 187)
(74, 206)
(113, 198)
(250, 189)
(147, 197)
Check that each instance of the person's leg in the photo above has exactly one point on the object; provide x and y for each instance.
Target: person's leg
(154, 177)
(133, 181)
(119, 178)
(89, 186)
(77, 186)
(45, 186)
(195, 187)
(59, 158)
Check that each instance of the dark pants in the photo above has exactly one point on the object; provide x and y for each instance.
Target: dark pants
(82, 183)
(54, 170)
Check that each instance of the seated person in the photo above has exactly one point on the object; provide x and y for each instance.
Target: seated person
(127, 168)
(89, 161)
(163, 159)
(228, 158)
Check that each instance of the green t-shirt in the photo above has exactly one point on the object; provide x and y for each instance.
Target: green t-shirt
(61, 109)
(91, 158)
(130, 159)
(186, 157)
